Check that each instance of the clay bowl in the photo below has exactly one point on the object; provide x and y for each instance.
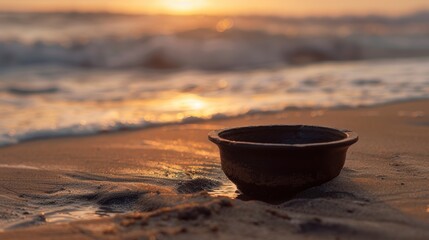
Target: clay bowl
(281, 160)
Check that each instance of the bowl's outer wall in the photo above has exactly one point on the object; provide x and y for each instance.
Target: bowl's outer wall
(277, 171)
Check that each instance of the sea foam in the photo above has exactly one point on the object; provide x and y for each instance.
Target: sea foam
(97, 100)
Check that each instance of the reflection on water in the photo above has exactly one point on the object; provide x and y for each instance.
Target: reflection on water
(60, 215)
(72, 214)
(46, 102)
(191, 161)
(202, 169)
(175, 107)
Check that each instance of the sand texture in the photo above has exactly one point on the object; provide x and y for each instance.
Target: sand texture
(165, 183)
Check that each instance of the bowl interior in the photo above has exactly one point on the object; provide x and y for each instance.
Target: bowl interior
(283, 134)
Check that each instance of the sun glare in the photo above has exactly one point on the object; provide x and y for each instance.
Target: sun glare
(190, 102)
(224, 24)
(183, 6)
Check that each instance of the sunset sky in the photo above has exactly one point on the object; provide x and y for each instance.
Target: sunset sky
(228, 7)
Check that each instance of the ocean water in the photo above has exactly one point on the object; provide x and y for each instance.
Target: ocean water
(72, 74)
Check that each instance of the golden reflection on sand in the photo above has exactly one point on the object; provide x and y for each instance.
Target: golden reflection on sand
(180, 146)
(228, 189)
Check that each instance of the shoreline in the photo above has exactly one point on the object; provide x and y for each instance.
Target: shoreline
(217, 117)
(171, 170)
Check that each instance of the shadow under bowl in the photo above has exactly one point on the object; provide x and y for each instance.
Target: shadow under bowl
(277, 161)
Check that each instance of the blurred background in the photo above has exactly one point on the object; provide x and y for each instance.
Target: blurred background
(79, 67)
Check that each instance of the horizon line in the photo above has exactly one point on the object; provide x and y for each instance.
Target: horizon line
(296, 16)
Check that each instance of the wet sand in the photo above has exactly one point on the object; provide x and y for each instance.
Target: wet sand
(164, 182)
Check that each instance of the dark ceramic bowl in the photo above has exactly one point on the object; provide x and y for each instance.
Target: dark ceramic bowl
(281, 160)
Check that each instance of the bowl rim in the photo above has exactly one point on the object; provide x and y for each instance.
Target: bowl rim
(351, 138)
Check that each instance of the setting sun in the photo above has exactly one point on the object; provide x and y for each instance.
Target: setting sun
(183, 6)
(223, 7)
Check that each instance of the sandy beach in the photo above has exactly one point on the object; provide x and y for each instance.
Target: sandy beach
(106, 109)
(166, 183)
